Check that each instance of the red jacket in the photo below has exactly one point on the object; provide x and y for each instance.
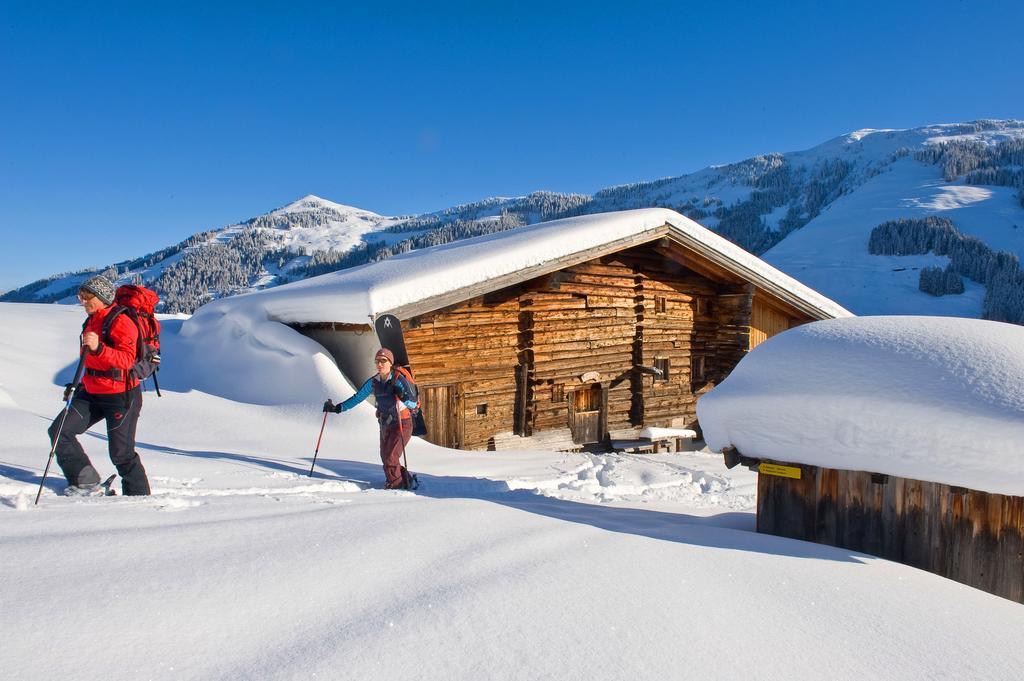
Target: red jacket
(120, 354)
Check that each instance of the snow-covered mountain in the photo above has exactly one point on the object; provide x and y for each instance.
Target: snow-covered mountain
(810, 213)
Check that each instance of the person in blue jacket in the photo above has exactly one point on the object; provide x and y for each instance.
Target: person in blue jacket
(396, 400)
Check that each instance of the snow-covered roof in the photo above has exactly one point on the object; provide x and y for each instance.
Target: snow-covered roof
(427, 279)
(930, 398)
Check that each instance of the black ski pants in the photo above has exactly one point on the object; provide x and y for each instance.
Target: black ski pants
(121, 412)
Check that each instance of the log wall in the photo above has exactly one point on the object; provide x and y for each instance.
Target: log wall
(581, 327)
(973, 537)
(698, 326)
(471, 347)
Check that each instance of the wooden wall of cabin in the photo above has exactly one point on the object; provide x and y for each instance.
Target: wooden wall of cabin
(974, 537)
(601, 320)
(525, 359)
(465, 361)
(692, 328)
(768, 319)
(580, 327)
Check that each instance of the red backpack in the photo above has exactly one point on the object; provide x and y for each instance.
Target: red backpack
(419, 426)
(138, 303)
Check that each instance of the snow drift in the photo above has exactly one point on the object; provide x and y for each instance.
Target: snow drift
(929, 398)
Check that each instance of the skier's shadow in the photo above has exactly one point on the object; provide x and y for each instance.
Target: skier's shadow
(27, 475)
(250, 461)
(735, 531)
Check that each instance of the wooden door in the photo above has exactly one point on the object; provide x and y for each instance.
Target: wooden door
(440, 414)
(586, 415)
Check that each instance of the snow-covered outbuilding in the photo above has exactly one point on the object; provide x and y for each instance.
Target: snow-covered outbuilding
(901, 437)
(556, 334)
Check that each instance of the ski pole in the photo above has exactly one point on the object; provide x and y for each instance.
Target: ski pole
(324, 425)
(63, 417)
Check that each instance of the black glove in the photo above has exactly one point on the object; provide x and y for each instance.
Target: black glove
(68, 389)
(330, 406)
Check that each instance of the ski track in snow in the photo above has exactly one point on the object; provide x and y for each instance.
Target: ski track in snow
(633, 477)
(598, 478)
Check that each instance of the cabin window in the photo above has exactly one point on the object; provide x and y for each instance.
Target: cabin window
(481, 410)
(697, 368)
(701, 306)
(660, 304)
(558, 393)
(662, 365)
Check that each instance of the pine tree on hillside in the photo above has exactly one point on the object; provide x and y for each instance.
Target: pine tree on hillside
(969, 257)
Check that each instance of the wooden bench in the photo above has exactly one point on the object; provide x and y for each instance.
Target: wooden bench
(557, 440)
(634, 446)
(652, 440)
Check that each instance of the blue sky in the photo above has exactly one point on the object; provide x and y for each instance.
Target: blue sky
(126, 127)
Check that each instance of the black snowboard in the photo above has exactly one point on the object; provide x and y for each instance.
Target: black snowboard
(389, 333)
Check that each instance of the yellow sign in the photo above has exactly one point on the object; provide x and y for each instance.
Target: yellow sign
(781, 471)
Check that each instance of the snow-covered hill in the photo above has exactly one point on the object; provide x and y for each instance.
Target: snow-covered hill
(810, 213)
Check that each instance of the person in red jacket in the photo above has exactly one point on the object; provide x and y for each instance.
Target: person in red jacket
(108, 391)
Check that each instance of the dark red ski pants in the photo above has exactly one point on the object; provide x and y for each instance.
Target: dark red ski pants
(393, 438)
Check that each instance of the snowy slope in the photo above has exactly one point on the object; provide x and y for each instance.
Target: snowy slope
(504, 566)
(313, 223)
(830, 253)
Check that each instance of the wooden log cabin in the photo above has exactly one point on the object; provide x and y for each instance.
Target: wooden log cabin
(575, 340)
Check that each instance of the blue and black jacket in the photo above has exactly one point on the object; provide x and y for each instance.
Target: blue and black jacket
(395, 397)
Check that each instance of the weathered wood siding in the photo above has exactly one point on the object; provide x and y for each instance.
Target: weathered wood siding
(580, 329)
(972, 537)
(685, 322)
(524, 360)
(471, 349)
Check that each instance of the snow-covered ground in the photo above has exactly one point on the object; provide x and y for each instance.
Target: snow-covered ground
(502, 566)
